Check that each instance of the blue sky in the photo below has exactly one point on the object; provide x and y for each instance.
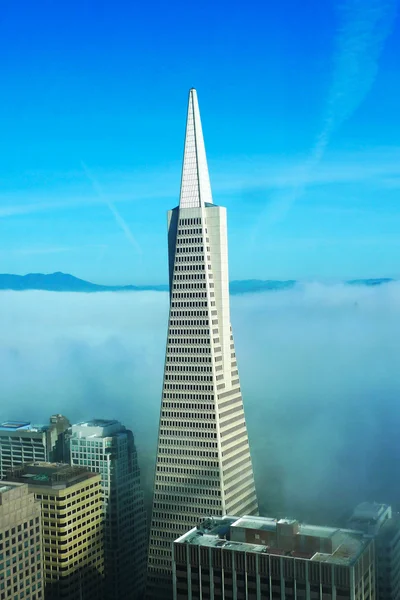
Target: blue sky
(299, 104)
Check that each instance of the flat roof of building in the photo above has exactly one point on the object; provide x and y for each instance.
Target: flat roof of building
(51, 474)
(98, 423)
(14, 425)
(21, 426)
(216, 533)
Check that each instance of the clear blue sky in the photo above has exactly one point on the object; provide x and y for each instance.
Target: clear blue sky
(300, 111)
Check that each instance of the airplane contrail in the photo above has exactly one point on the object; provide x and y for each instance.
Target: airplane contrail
(364, 28)
(122, 224)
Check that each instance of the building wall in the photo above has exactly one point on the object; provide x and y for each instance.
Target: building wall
(33, 444)
(18, 447)
(388, 562)
(125, 535)
(21, 566)
(206, 573)
(72, 523)
(203, 457)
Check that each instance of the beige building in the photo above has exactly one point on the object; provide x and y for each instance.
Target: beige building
(255, 558)
(72, 525)
(203, 458)
(21, 569)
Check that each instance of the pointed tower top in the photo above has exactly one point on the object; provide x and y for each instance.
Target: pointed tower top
(195, 184)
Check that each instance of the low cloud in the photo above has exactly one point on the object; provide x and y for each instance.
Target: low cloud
(320, 372)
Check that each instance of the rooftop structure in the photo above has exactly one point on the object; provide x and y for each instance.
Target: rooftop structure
(54, 475)
(370, 516)
(272, 558)
(284, 537)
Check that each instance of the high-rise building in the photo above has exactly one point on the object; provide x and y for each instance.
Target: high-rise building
(203, 464)
(379, 522)
(21, 442)
(108, 448)
(253, 558)
(72, 525)
(21, 560)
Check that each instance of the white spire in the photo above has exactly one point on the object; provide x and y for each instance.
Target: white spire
(195, 184)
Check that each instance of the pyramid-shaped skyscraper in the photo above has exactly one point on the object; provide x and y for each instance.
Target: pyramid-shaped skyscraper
(203, 465)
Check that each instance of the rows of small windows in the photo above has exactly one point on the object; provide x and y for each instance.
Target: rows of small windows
(183, 231)
(177, 396)
(190, 462)
(188, 341)
(191, 249)
(189, 295)
(189, 322)
(184, 489)
(188, 314)
(193, 424)
(189, 276)
(187, 452)
(196, 506)
(189, 359)
(188, 286)
(188, 268)
(188, 304)
(200, 405)
(189, 386)
(195, 498)
(188, 368)
(188, 349)
(187, 481)
(193, 221)
(80, 496)
(187, 258)
(177, 377)
(189, 415)
(189, 332)
(188, 433)
(189, 240)
(188, 443)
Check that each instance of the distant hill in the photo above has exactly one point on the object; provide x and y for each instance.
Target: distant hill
(63, 282)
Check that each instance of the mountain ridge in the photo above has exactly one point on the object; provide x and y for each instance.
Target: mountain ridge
(64, 282)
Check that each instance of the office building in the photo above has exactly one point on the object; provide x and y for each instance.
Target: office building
(72, 525)
(21, 442)
(253, 558)
(21, 566)
(379, 521)
(203, 464)
(108, 448)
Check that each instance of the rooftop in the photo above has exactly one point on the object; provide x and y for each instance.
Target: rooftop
(10, 426)
(55, 475)
(285, 537)
(97, 428)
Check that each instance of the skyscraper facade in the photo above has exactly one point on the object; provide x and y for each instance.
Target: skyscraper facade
(72, 526)
(108, 448)
(380, 522)
(21, 552)
(203, 464)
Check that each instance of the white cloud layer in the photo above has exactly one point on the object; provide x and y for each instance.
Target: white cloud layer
(319, 365)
